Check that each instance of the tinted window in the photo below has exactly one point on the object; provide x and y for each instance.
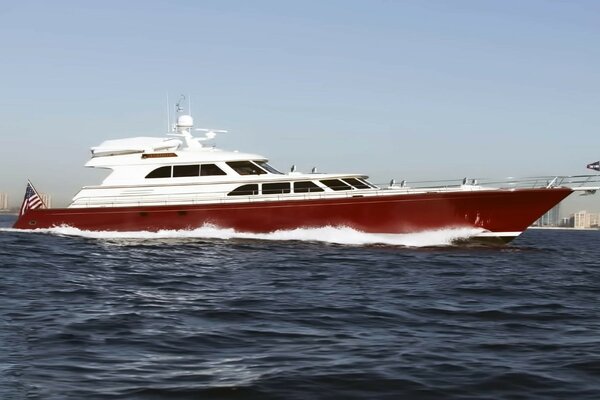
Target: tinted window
(356, 183)
(306, 187)
(211, 169)
(245, 168)
(265, 166)
(245, 190)
(276, 188)
(368, 183)
(162, 172)
(335, 184)
(186, 170)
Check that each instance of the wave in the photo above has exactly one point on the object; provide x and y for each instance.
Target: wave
(328, 234)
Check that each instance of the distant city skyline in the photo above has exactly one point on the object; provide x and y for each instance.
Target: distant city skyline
(407, 90)
(4, 204)
(584, 219)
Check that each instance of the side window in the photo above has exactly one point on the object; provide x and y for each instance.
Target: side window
(306, 187)
(210, 170)
(162, 172)
(335, 184)
(245, 190)
(356, 183)
(186, 170)
(276, 188)
(246, 168)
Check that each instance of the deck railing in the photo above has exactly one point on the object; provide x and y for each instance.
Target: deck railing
(572, 181)
(578, 182)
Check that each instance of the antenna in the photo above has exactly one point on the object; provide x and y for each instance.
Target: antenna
(189, 104)
(168, 114)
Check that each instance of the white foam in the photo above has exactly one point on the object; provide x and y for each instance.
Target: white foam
(329, 234)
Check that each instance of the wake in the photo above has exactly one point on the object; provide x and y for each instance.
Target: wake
(336, 235)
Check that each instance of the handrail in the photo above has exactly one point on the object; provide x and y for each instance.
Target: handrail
(511, 182)
(585, 182)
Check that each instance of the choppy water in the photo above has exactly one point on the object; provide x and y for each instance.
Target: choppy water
(320, 314)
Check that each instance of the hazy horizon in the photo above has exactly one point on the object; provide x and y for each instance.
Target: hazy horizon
(412, 90)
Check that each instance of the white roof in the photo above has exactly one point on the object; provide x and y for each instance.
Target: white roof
(135, 144)
(187, 148)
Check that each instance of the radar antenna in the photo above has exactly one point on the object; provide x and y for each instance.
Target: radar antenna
(179, 104)
(210, 133)
(184, 124)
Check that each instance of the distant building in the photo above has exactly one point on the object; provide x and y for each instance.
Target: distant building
(47, 199)
(3, 201)
(594, 218)
(584, 219)
(551, 218)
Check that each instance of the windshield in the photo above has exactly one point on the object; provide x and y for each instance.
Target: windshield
(264, 165)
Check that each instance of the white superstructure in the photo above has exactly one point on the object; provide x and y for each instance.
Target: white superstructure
(181, 170)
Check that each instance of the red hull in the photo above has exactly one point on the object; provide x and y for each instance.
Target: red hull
(494, 210)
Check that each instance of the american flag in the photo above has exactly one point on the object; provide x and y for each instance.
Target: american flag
(32, 199)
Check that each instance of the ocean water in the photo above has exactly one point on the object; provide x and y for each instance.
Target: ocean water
(307, 314)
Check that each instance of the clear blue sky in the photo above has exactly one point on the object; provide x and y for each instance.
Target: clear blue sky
(404, 89)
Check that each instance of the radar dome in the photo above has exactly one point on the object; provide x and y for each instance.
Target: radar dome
(185, 121)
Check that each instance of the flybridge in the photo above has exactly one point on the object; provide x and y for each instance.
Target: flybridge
(134, 145)
(182, 129)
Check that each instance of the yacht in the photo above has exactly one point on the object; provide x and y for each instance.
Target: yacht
(182, 182)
